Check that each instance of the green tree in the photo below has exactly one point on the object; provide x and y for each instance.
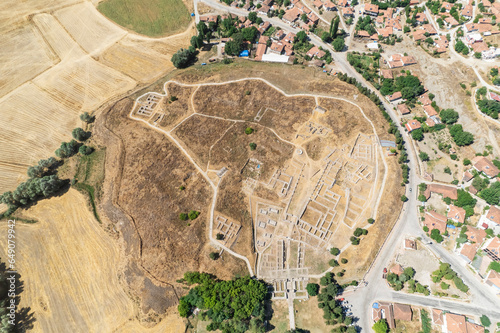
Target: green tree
(333, 263)
(79, 134)
(338, 44)
(380, 326)
(404, 198)
(335, 251)
(249, 130)
(252, 16)
(423, 156)
(214, 255)
(250, 33)
(183, 216)
(86, 117)
(252, 145)
(67, 149)
(193, 214)
(197, 41)
(436, 235)
(219, 236)
(236, 45)
(334, 28)
(85, 150)
(417, 134)
(485, 321)
(448, 116)
(183, 58)
(312, 289)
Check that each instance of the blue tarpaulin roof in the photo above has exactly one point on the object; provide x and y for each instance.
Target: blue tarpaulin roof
(375, 305)
(451, 226)
(244, 53)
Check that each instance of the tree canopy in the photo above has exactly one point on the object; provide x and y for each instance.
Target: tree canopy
(449, 116)
(183, 58)
(231, 306)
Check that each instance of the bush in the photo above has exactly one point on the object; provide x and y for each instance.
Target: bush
(312, 289)
(485, 321)
(219, 236)
(466, 161)
(214, 255)
(380, 326)
(193, 214)
(335, 251)
(85, 150)
(444, 285)
(344, 260)
(333, 263)
(371, 220)
(423, 156)
(358, 232)
(436, 235)
(404, 198)
(248, 130)
(183, 216)
(86, 117)
(495, 265)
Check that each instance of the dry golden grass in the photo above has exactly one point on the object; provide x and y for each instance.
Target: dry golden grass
(70, 282)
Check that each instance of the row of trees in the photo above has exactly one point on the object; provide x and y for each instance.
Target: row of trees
(43, 181)
(233, 306)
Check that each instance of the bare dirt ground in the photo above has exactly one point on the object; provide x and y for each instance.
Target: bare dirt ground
(61, 58)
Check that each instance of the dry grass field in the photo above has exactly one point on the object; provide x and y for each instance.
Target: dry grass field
(71, 283)
(151, 18)
(59, 59)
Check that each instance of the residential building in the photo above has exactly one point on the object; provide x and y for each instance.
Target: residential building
(493, 280)
(456, 214)
(492, 250)
(491, 220)
(403, 109)
(370, 9)
(455, 323)
(435, 220)
(402, 312)
(412, 125)
(468, 252)
(484, 165)
(394, 97)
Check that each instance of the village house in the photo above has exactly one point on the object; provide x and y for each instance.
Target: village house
(491, 220)
(484, 165)
(370, 9)
(435, 220)
(456, 214)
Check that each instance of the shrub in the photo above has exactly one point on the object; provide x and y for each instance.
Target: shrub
(444, 285)
(485, 321)
(343, 260)
(183, 216)
(252, 145)
(335, 251)
(404, 198)
(219, 236)
(85, 150)
(214, 255)
(182, 187)
(86, 117)
(248, 130)
(193, 214)
(371, 220)
(423, 156)
(333, 263)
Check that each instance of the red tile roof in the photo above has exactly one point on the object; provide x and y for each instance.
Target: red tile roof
(413, 125)
(456, 214)
(434, 220)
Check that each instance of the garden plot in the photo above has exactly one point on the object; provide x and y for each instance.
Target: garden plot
(92, 31)
(23, 55)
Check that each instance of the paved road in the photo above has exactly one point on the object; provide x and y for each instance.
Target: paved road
(482, 302)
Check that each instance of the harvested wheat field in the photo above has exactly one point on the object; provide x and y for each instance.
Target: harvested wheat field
(69, 268)
(61, 58)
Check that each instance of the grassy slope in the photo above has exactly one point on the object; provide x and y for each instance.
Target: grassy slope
(148, 17)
